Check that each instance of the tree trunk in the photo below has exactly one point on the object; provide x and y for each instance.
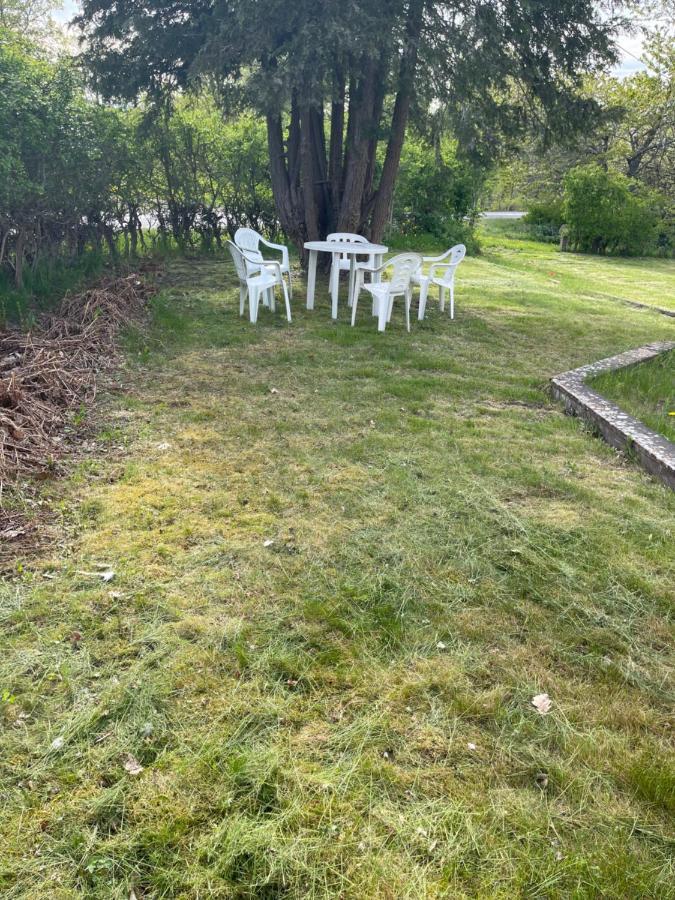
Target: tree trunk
(385, 192)
(362, 99)
(292, 221)
(337, 129)
(18, 258)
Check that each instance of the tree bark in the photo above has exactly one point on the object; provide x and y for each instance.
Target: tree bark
(362, 98)
(18, 258)
(385, 191)
(337, 130)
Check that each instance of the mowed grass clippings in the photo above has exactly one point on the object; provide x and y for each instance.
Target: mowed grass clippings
(344, 563)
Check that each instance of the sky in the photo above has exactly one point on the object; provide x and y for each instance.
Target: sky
(631, 45)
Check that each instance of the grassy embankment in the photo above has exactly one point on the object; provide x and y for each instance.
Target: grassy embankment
(345, 711)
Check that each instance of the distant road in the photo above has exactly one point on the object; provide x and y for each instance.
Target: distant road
(503, 215)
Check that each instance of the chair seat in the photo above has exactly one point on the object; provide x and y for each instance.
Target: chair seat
(268, 266)
(421, 279)
(263, 279)
(379, 289)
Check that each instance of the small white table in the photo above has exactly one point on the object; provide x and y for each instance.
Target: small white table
(350, 248)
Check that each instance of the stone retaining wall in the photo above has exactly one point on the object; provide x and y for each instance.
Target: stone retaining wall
(622, 431)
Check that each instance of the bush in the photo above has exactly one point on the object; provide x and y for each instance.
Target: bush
(544, 220)
(436, 195)
(607, 213)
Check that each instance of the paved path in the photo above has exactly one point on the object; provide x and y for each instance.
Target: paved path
(508, 214)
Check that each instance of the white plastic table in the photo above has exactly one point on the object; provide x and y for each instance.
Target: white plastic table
(338, 247)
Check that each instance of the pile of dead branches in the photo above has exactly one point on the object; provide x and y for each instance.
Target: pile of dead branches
(49, 372)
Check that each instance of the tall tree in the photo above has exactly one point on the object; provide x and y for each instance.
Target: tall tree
(338, 79)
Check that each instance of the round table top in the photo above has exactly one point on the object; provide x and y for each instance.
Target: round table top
(349, 247)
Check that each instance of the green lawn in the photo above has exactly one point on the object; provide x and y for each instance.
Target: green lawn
(640, 280)
(344, 564)
(646, 391)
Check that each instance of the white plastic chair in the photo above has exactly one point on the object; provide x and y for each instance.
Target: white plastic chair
(249, 241)
(441, 274)
(403, 268)
(342, 261)
(257, 285)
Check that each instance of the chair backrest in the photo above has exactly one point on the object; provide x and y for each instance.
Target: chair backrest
(402, 268)
(457, 254)
(348, 238)
(454, 257)
(249, 240)
(239, 261)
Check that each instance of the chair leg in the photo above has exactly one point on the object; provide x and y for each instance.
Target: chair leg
(355, 304)
(452, 300)
(290, 283)
(352, 280)
(273, 304)
(424, 293)
(243, 290)
(383, 307)
(442, 299)
(287, 301)
(407, 298)
(253, 301)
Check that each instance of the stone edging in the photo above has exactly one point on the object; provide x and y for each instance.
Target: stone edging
(622, 431)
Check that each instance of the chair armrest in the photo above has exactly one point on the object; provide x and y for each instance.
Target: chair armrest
(280, 247)
(272, 264)
(438, 266)
(437, 259)
(374, 270)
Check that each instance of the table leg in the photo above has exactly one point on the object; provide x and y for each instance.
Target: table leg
(335, 283)
(311, 278)
(352, 280)
(376, 277)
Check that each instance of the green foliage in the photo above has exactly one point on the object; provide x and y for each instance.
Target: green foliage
(58, 153)
(436, 193)
(605, 214)
(80, 181)
(545, 220)
(490, 68)
(205, 177)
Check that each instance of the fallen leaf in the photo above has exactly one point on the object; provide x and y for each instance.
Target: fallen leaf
(106, 575)
(542, 703)
(267, 543)
(471, 746)
(132, 765)
(441, 646)
(273, 391)
(57, 743)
